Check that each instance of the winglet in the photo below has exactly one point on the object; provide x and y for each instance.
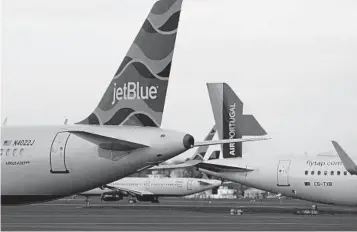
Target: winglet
(5, 122)
(350, 166)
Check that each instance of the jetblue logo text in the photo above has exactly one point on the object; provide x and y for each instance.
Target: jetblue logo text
(133, 90)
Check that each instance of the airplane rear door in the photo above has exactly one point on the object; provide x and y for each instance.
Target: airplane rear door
(58, 153)
(283, 173)
(147, 184)
(189, 185)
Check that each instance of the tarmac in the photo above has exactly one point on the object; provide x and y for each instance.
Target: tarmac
(176, 214)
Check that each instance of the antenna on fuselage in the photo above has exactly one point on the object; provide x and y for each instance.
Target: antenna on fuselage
(4, 123)
(66, 121)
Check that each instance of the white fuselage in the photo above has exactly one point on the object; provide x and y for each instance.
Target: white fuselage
(160, 186)
(44, 163)
(317, 179)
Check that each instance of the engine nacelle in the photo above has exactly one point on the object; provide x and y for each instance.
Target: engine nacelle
(112, 197)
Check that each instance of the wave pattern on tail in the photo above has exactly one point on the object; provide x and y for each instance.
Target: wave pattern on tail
(137, 93)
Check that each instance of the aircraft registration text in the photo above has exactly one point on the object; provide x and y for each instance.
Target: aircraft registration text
(323, 184)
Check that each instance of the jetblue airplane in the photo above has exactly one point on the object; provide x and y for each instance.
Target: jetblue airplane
(122, 134)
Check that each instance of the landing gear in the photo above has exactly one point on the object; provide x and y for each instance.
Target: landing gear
(132, 201)
(155, 200)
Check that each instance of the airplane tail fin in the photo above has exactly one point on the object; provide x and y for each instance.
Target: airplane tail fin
(231, 123)
(205, 176)
(201, 151)
(137, 93)
(214, 155)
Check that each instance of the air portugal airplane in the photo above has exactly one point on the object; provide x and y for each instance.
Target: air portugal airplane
(318, 179)
(120, 137)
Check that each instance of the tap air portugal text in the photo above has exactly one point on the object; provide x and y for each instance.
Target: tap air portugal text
(232, 128)
(133, 90)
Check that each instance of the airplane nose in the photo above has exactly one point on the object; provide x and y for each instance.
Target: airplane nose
(188, 141)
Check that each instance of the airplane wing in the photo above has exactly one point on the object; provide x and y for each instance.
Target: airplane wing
(107, 142)
(215, 142)
(350, 166)
(129, 191)
(186, 164)
(206, 166)
(223, 168)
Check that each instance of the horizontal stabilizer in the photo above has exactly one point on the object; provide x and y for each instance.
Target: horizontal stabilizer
(250, 126)
(107, 142)
(222, 168)
(224, 141)
(350, 166)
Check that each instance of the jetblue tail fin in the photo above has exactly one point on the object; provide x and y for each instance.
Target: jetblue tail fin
(230, 121)
(137, 93)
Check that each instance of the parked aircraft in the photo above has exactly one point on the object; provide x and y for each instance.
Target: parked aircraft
(150, 189)
(121, 136)
(320, 179)
(317, 179)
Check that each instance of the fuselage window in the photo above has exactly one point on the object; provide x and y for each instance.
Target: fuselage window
(319, 173)
(306, 172)
(338, 173)
(312, 172)
(7, 152)
(332, 173)
(325, 173)
(345, 173)
(1, 151)
(14, 152)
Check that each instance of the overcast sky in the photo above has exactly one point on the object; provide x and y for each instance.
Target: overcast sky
(293, 64)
